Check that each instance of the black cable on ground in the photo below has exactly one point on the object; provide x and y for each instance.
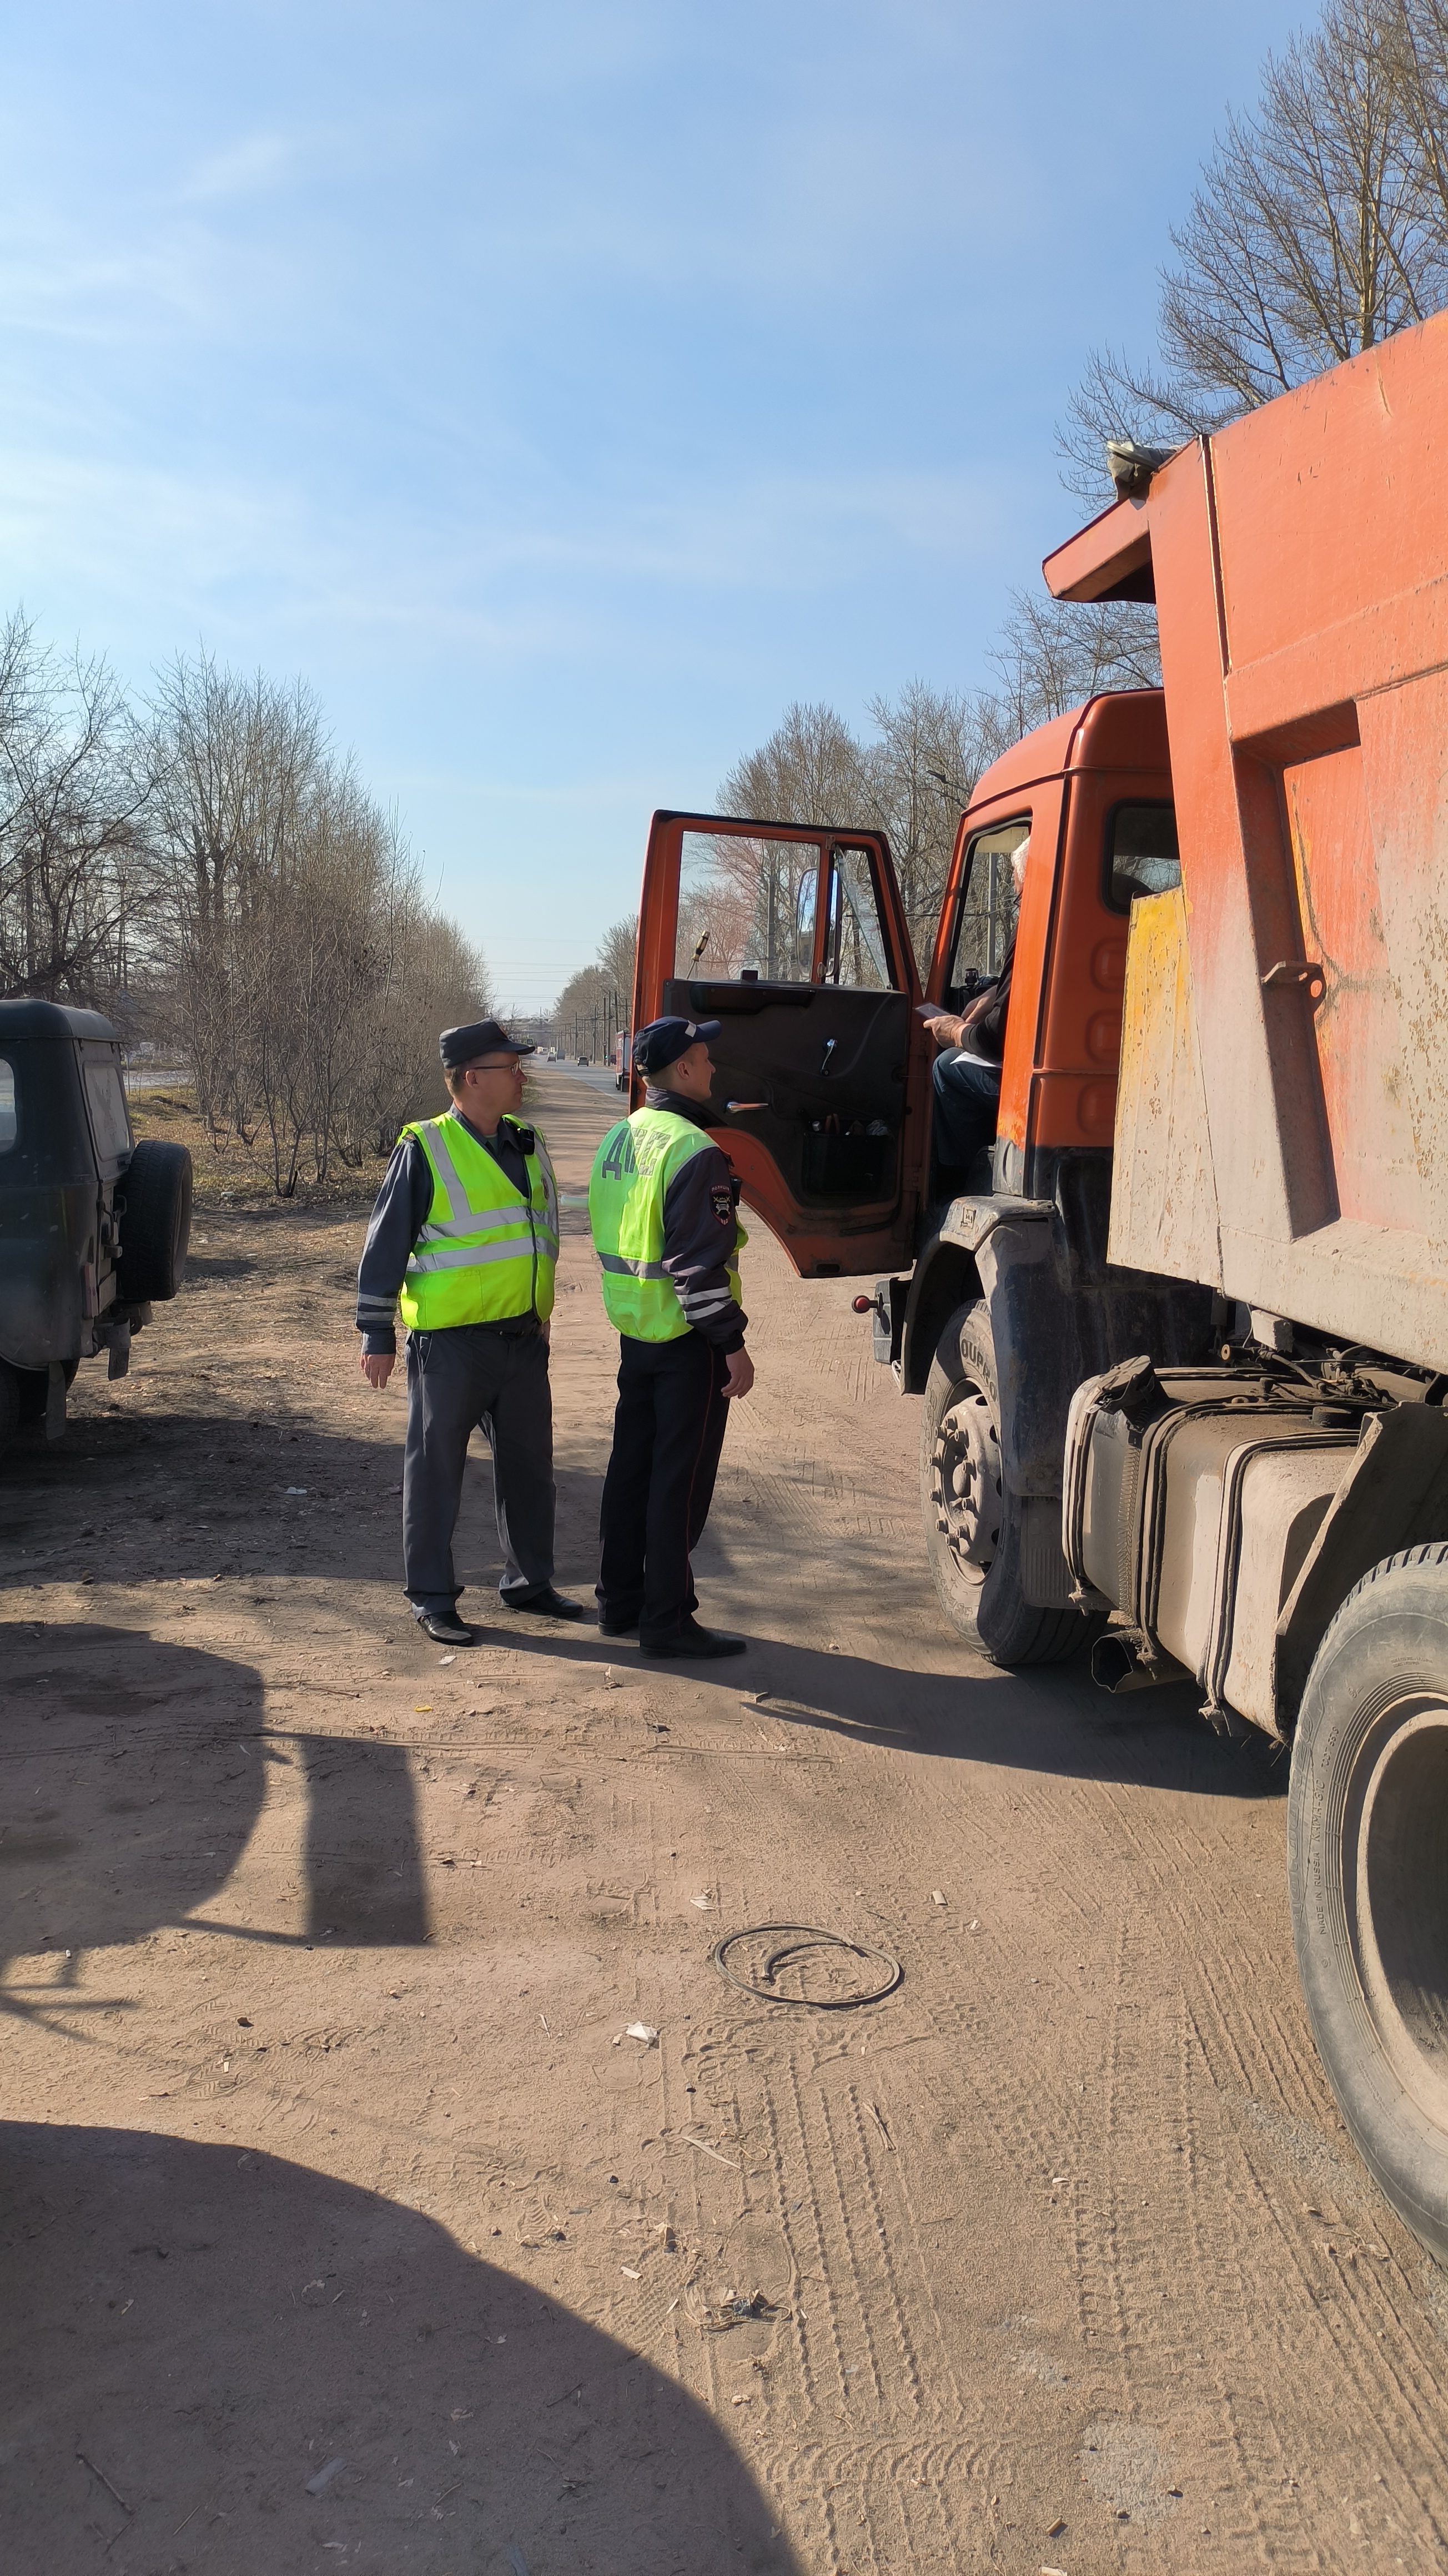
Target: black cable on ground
(812, 1939)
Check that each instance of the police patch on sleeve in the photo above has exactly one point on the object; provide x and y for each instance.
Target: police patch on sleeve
(721, 1199)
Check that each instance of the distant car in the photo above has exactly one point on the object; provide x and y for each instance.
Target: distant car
(580, 1059)
(93, 1226)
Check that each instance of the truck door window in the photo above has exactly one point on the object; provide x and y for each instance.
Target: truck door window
(857, 950)
(987, 918)
(7, 1105)
(747, 907)
(107, 1102)
(1141, 853)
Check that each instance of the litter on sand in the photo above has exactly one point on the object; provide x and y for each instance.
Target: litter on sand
(324, 2477)
(937, 1896)
(517, 2561)
(610, 1678)
(447, 1659)
(1056, 2530)
(705, 1903)
(643, 2030)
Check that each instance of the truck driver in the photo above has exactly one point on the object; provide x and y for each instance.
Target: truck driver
(966, 1074)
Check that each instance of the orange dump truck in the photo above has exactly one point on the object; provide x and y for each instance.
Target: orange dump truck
(1182, 1339)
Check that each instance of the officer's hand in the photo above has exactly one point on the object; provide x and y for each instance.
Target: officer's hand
(377, 1367)
(739, 1376)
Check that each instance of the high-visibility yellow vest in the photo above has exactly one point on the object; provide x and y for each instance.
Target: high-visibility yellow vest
(486, 1253)
(626, 1192)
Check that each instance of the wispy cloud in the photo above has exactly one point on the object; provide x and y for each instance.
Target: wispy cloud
(255, 165)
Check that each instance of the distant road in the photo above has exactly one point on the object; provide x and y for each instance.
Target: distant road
(154, 1077)
(599, 1077)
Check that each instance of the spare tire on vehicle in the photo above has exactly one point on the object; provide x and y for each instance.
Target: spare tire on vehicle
(155, 1223)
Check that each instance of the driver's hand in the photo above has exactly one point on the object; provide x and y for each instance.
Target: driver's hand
(377, 1366)
(945, 1028)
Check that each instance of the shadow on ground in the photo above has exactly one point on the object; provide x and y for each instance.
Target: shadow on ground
(1053, 1720)
(194, 2333)
(262, 1491)
(140, 1767)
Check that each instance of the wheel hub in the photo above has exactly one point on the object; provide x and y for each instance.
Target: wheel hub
(965, 1480)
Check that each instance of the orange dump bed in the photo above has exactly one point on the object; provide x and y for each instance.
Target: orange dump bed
(1282, 1114)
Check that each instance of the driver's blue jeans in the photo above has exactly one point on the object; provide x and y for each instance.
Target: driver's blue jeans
(967, 1097)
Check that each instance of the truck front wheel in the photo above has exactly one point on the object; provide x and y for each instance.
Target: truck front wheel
(972, 1520)
(1367, 1815)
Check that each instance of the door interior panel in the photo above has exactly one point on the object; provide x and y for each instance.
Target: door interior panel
(816, 1074)
(821, 1091)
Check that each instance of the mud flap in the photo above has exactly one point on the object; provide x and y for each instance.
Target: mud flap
(55, 1401)
(1046, 1579)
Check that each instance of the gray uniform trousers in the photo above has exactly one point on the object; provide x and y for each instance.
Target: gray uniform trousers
(496, 1375)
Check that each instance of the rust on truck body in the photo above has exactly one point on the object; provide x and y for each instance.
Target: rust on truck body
(1299, 561)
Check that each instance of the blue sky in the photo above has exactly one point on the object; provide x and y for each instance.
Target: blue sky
(562, 391)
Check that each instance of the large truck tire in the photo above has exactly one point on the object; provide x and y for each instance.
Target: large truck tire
(156, 1226)
(972, 1521)
(1367, 1830)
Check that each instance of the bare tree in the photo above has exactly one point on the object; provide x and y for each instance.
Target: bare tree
(1419, 52)
(1053, 654)
(309, 977)
(1319, 226)
(77, 893)
(922, 768)
(590, 1011)
(616, 956)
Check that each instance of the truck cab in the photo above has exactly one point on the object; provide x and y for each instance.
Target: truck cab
(824, 1095)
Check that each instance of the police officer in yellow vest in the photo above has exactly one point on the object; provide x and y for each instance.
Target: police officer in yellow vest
(662, 1202)
(464, 1236)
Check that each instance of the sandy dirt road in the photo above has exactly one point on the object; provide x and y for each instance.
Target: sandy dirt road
(323, 2141)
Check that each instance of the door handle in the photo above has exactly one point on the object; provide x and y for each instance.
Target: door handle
(825, 1058)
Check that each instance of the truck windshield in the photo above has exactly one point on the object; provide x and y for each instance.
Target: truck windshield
(7, 1105)
(1141, 853)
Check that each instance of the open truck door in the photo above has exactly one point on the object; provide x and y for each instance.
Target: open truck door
(794, 937)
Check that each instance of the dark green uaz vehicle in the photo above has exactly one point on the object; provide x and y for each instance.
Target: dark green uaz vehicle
(93, 1226)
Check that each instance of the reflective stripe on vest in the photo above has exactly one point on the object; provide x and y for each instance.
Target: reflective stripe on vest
(627, 1188)
(486, 1253)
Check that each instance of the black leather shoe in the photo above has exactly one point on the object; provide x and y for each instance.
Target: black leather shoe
(444, 1627)
(617, 1627)
(545, 1604)
(694, 1644)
